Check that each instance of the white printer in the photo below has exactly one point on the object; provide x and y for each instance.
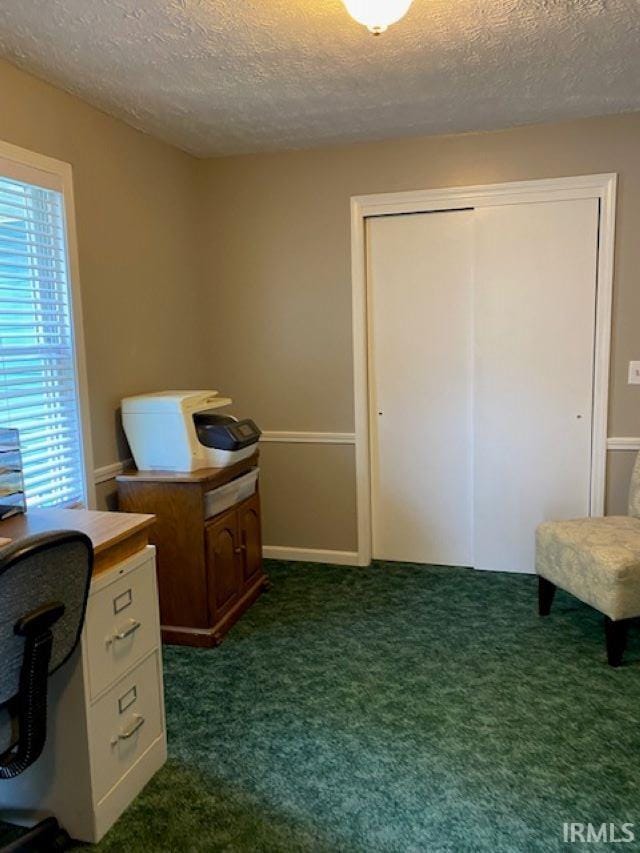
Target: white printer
(185, 430)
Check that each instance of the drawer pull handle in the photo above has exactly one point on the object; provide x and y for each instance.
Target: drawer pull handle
(133, 627)
(137, 723)
(125, 632)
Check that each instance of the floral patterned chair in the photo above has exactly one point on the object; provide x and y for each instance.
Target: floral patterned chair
(598, 561)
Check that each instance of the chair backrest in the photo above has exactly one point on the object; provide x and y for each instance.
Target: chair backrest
(44, 581)
(634, 490)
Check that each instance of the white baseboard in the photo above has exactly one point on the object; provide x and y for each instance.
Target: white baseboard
(310, 555)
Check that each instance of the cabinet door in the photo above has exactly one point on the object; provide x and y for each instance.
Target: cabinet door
(420, 272)
(224, 569)
(250, 537)
(535, 306)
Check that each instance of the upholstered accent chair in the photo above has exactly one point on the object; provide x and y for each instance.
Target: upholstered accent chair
(598, 561)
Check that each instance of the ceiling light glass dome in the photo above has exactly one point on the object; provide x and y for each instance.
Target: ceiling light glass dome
(377, 15)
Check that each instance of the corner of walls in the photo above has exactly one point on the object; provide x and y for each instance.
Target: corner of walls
(137, 219)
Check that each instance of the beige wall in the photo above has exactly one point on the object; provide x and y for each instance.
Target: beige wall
(276, 234)
(308, 495)
(135, 204)
(619, 467)
(235, 273)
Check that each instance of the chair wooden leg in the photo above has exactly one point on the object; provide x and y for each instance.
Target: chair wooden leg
(546, 591)
(616, 637)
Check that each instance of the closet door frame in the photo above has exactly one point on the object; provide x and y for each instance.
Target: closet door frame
(601, 187)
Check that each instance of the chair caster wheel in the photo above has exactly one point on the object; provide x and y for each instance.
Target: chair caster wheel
(61, 842)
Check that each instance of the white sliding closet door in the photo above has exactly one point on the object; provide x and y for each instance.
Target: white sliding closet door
(420, 373)
(535, 295)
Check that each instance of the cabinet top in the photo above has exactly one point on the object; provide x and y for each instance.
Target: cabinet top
(203, 476)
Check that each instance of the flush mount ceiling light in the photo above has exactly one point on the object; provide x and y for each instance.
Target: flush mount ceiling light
(377, 15)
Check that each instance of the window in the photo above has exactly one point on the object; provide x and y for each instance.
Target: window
(39, 384)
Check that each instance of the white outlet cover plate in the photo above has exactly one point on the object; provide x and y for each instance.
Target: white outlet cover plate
(634, 373)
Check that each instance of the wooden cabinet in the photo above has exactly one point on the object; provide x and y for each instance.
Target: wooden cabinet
(250, 536)
(234, 555)
(209, 569)
(224, 572)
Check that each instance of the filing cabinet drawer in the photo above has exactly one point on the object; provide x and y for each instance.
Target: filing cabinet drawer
(121, 625)
(124, 723)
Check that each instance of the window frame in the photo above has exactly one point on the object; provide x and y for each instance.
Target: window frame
(40, 170)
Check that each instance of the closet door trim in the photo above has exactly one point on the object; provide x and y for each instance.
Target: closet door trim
(601, 187)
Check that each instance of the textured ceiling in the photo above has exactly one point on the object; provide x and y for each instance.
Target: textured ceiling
(228, 76)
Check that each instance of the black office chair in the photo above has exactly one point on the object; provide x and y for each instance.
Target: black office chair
(44, 584)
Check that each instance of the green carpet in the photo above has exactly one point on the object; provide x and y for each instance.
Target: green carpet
(396, 708)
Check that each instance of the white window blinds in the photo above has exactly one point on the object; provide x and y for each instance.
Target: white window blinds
(38, 383)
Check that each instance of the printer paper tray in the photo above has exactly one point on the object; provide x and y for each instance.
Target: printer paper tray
(217, 500)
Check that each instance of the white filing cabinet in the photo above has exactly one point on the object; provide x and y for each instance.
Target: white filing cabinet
(106, 732)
